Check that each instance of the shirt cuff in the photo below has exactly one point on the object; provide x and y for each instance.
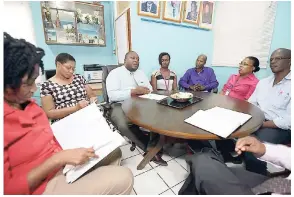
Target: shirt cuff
(279, 122)
(269, 155)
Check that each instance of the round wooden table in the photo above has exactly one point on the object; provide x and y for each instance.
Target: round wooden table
(168, 121)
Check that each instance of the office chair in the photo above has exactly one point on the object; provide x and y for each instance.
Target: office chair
(137, 138)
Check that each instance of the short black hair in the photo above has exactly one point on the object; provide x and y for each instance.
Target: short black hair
(255, 63)
(63, 58)
(20, 58)
(126, 55)
(161, 55)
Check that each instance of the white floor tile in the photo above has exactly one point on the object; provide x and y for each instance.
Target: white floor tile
(172, 174)
(168, 192)
(177, 188)
(149, 183)
(133, 192)
(126, 152)
(140, 150)
(165, 157)
(126, 142)
(182, 161)
(132, 164)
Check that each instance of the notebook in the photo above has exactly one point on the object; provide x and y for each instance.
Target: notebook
(151, 96)
(219, 121)
(86, 128)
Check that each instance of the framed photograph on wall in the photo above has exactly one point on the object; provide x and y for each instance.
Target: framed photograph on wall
(73, 23)
(149, 8)
(172, 11)
(206, 14)
(192, 12)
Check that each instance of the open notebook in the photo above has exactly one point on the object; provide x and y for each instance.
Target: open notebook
(86, 128)
(219, 121)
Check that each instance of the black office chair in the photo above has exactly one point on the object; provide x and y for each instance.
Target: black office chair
(49, 73)
(139, 138)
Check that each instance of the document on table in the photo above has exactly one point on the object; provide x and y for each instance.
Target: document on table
(151, 96)
(219, 121)
(86, 128)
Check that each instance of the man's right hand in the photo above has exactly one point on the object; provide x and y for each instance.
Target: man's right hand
(76, 156)
(81, 104)
(193, 87)
(250, 144)
(140, 91)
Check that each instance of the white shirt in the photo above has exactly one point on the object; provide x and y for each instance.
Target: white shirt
(274, 101)
(121, 81)
(279, 155)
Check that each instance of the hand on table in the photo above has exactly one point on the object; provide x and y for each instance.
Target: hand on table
(140, 90)
(200, 87)
(250, 144)
(76, 156)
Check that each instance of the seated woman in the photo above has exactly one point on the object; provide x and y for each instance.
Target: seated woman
(66, 92)
(33, 160)
(164, 79)
(242, 85)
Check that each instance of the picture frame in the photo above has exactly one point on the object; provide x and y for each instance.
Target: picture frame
(207, 15)
(191, 12)
(149, 8)
(73, 23)
(172, 11)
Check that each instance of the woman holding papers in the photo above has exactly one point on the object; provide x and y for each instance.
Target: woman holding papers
(242, 85)
(164, 79)
(33, 160)
(66, 92)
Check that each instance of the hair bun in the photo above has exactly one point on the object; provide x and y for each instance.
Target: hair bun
(256, 69)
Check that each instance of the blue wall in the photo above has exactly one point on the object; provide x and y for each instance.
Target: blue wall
(185, 44)
(82, 54)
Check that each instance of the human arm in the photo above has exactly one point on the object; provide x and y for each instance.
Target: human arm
(253, 98)
(250, 92)
(27, 182)
(175, 82)
(284, 121)
(90, 93)
(184, 80)
(153, 82)
(212, 82)
(277, 154)
(227, 85)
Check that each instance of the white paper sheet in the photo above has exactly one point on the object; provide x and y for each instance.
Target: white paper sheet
(86, 128)
(219, 121)
(153, 96)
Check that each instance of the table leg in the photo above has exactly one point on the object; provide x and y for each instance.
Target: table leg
(152, 153)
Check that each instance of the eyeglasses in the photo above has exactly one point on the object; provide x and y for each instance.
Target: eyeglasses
(277, 59)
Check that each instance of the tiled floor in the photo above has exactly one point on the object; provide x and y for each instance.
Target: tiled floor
(158, 180)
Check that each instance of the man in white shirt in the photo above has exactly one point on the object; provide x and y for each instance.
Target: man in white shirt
(273, 96)
(122, 83)
(211, 176)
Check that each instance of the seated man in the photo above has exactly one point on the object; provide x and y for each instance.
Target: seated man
(273, 96)
(33, 160)
(199, 78)
(122, 83)
(210, 175)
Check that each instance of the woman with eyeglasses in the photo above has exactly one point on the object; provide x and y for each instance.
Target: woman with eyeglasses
(164, 78)
(242, 85)
(66, 92)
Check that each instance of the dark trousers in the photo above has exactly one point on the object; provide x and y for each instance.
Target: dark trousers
(274, 136)
(126, 128)
(213, 177)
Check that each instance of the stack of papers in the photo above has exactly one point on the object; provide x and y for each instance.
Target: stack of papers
(84, 129)
(153, 96)
(219, 121)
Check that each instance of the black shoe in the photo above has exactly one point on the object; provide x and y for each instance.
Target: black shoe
(158, 160)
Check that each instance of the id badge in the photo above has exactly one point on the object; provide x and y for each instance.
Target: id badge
(227, 93)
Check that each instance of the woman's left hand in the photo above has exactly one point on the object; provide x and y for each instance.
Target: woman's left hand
(93, 100)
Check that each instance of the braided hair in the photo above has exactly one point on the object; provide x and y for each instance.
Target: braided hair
(20, 57)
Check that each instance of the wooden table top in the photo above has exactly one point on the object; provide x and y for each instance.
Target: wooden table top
(169, 121)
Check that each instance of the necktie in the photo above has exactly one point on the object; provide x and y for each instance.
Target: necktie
(276, 185)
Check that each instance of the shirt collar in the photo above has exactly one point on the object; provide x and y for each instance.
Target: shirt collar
(288, 76)
(251, 76)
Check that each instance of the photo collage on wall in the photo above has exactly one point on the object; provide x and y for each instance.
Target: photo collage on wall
(199, 13)
(76, 23)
